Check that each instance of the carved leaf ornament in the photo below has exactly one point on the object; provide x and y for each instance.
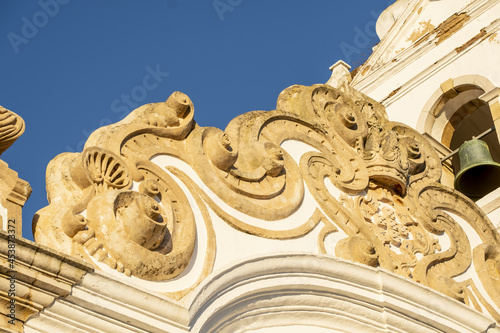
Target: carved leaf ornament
(112, 203)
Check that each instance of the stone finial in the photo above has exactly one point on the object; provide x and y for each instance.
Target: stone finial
(340, 74)
(11, 128)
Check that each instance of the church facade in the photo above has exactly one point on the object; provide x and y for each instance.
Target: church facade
(335, 212)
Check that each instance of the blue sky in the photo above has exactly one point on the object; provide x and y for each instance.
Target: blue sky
(69, 67)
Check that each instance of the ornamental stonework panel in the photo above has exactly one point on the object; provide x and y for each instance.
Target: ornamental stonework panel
(13, 191)
(157, 198)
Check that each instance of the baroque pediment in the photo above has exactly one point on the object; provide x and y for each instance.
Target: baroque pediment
(158, 201)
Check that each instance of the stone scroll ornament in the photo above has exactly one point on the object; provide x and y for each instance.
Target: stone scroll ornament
(112, 203)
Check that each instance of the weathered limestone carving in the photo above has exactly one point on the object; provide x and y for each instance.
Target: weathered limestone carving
(148, 232)
(13, 191)
(373, 180)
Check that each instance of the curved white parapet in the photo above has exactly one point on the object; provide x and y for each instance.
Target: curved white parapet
(324, 294)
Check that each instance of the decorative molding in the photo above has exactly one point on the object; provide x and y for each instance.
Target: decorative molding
(101, 304)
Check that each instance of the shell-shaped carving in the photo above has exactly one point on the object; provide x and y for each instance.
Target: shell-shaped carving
(98, 166)
(103, 167)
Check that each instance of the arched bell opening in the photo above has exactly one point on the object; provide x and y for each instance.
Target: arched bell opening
(477, 174)
(471, 125)
(457, 113)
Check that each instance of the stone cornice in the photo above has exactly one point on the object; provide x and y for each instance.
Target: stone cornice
(32, 276)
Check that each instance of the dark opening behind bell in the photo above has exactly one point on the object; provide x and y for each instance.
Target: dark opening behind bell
(479, 174)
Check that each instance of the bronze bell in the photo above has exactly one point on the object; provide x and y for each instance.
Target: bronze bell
(479, 174)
